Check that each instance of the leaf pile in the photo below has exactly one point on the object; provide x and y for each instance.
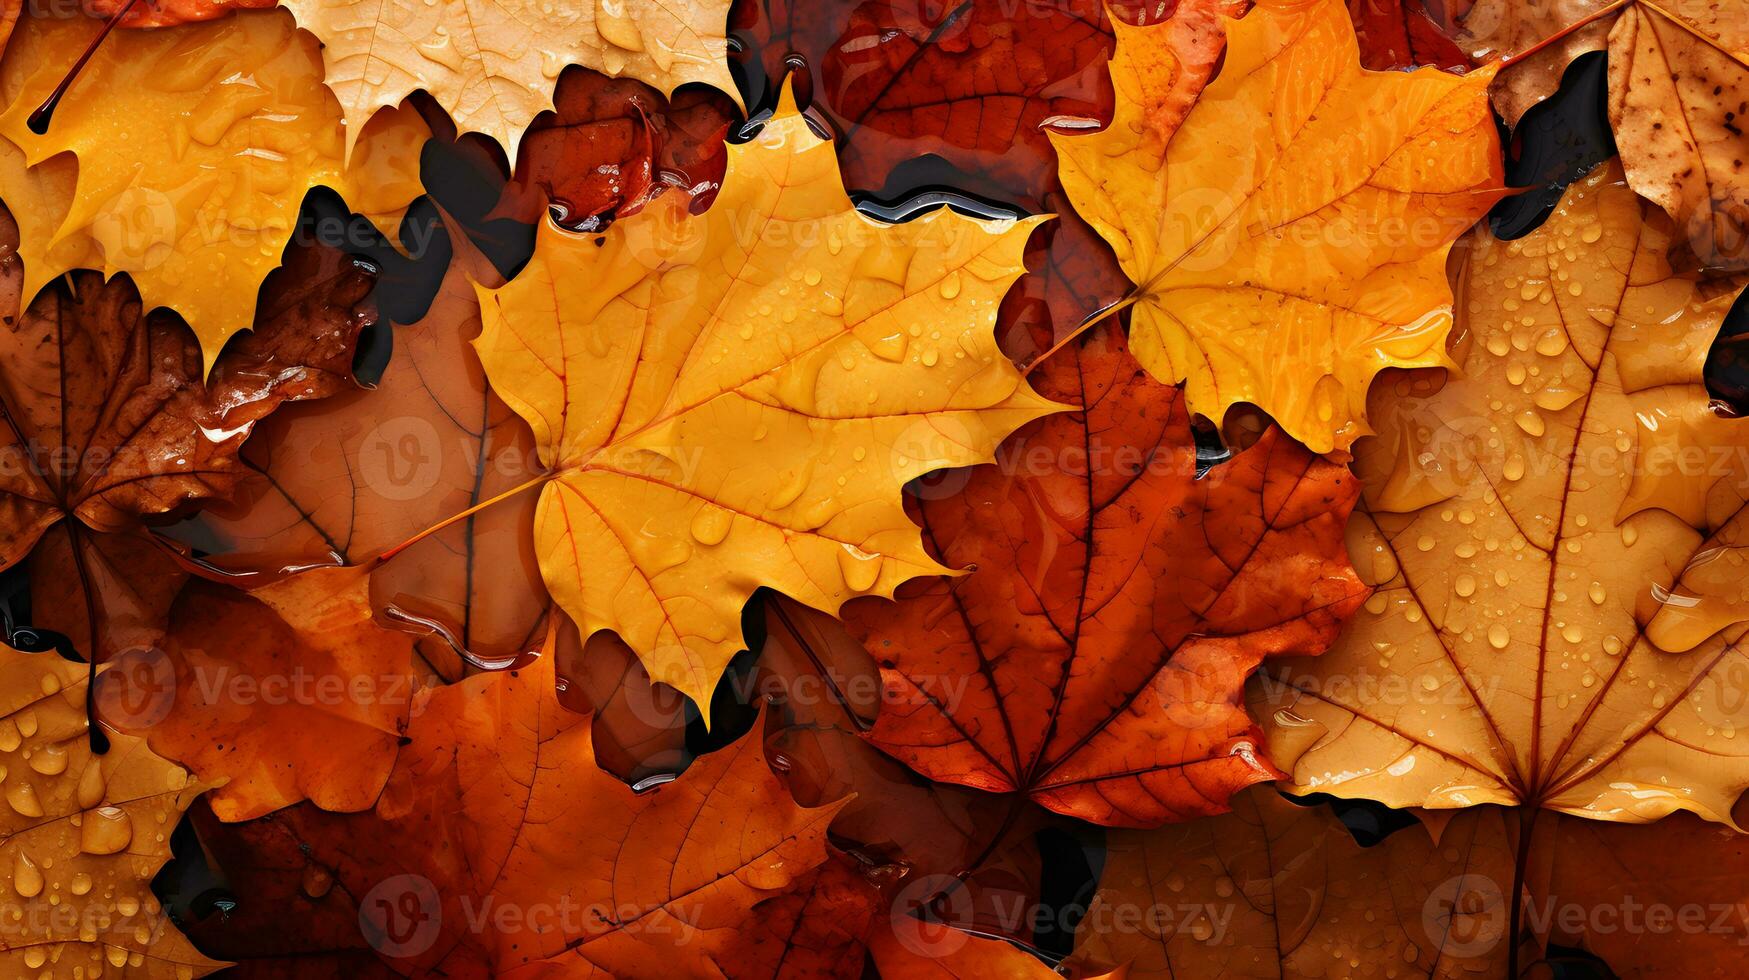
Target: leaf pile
(869, 488)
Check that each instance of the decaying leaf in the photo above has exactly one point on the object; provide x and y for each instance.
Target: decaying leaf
(1276, 889)
(1094, 659)
(343, 480)
(1678, 89)
(81, 836)
(734, 400)
(167, 163)
(1494, 30)
(109, 424)
(1287, 235)
(1678, 101)
(258, 690)
(492, 63)
(496, 804)
(1557, 538)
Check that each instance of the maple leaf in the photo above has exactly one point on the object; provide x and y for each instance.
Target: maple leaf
(82, 835)
(1403, 34)
(973, 83)
(255, 690)
(1063, 667)
(109, 424)
(734, 400)
(1531, 36)
(924, 844)
(1557, 536)
(199, 214)
(973, 86)
(1678, 81)
(342, 480)
(1676, 98)
(495, 802)
(612, 144)
(1265, 230)
(483, 63)
(1279, 889)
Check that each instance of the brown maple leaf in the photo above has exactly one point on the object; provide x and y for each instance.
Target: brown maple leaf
(345, 479)
(108, 425)
(495, 803)
(1092, 659)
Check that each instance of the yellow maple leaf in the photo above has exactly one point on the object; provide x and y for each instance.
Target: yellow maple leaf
(166, 162)
(1558, 536)
(81, 836)
(734, 400)
(1288, 237)
(492, 64)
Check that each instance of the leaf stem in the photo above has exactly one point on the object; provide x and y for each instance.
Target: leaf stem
(461, 516)
(1086, 324)
(39, 120)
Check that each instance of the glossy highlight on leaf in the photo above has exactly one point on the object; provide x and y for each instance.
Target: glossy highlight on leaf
(734, 400)
(1298, 216)
(110, 425)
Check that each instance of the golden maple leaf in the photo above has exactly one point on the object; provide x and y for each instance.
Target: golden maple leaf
(166, 162)
(81, 836)
(734, 400)
(1557, 537)
(493, 63)
(1288, 237)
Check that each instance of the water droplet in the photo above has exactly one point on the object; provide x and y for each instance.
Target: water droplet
(106, 830)
(21, 796)
(860, 569)
(49, 760)
(1499, 636)
(711, 525)
(27, 878)
(317, 881)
